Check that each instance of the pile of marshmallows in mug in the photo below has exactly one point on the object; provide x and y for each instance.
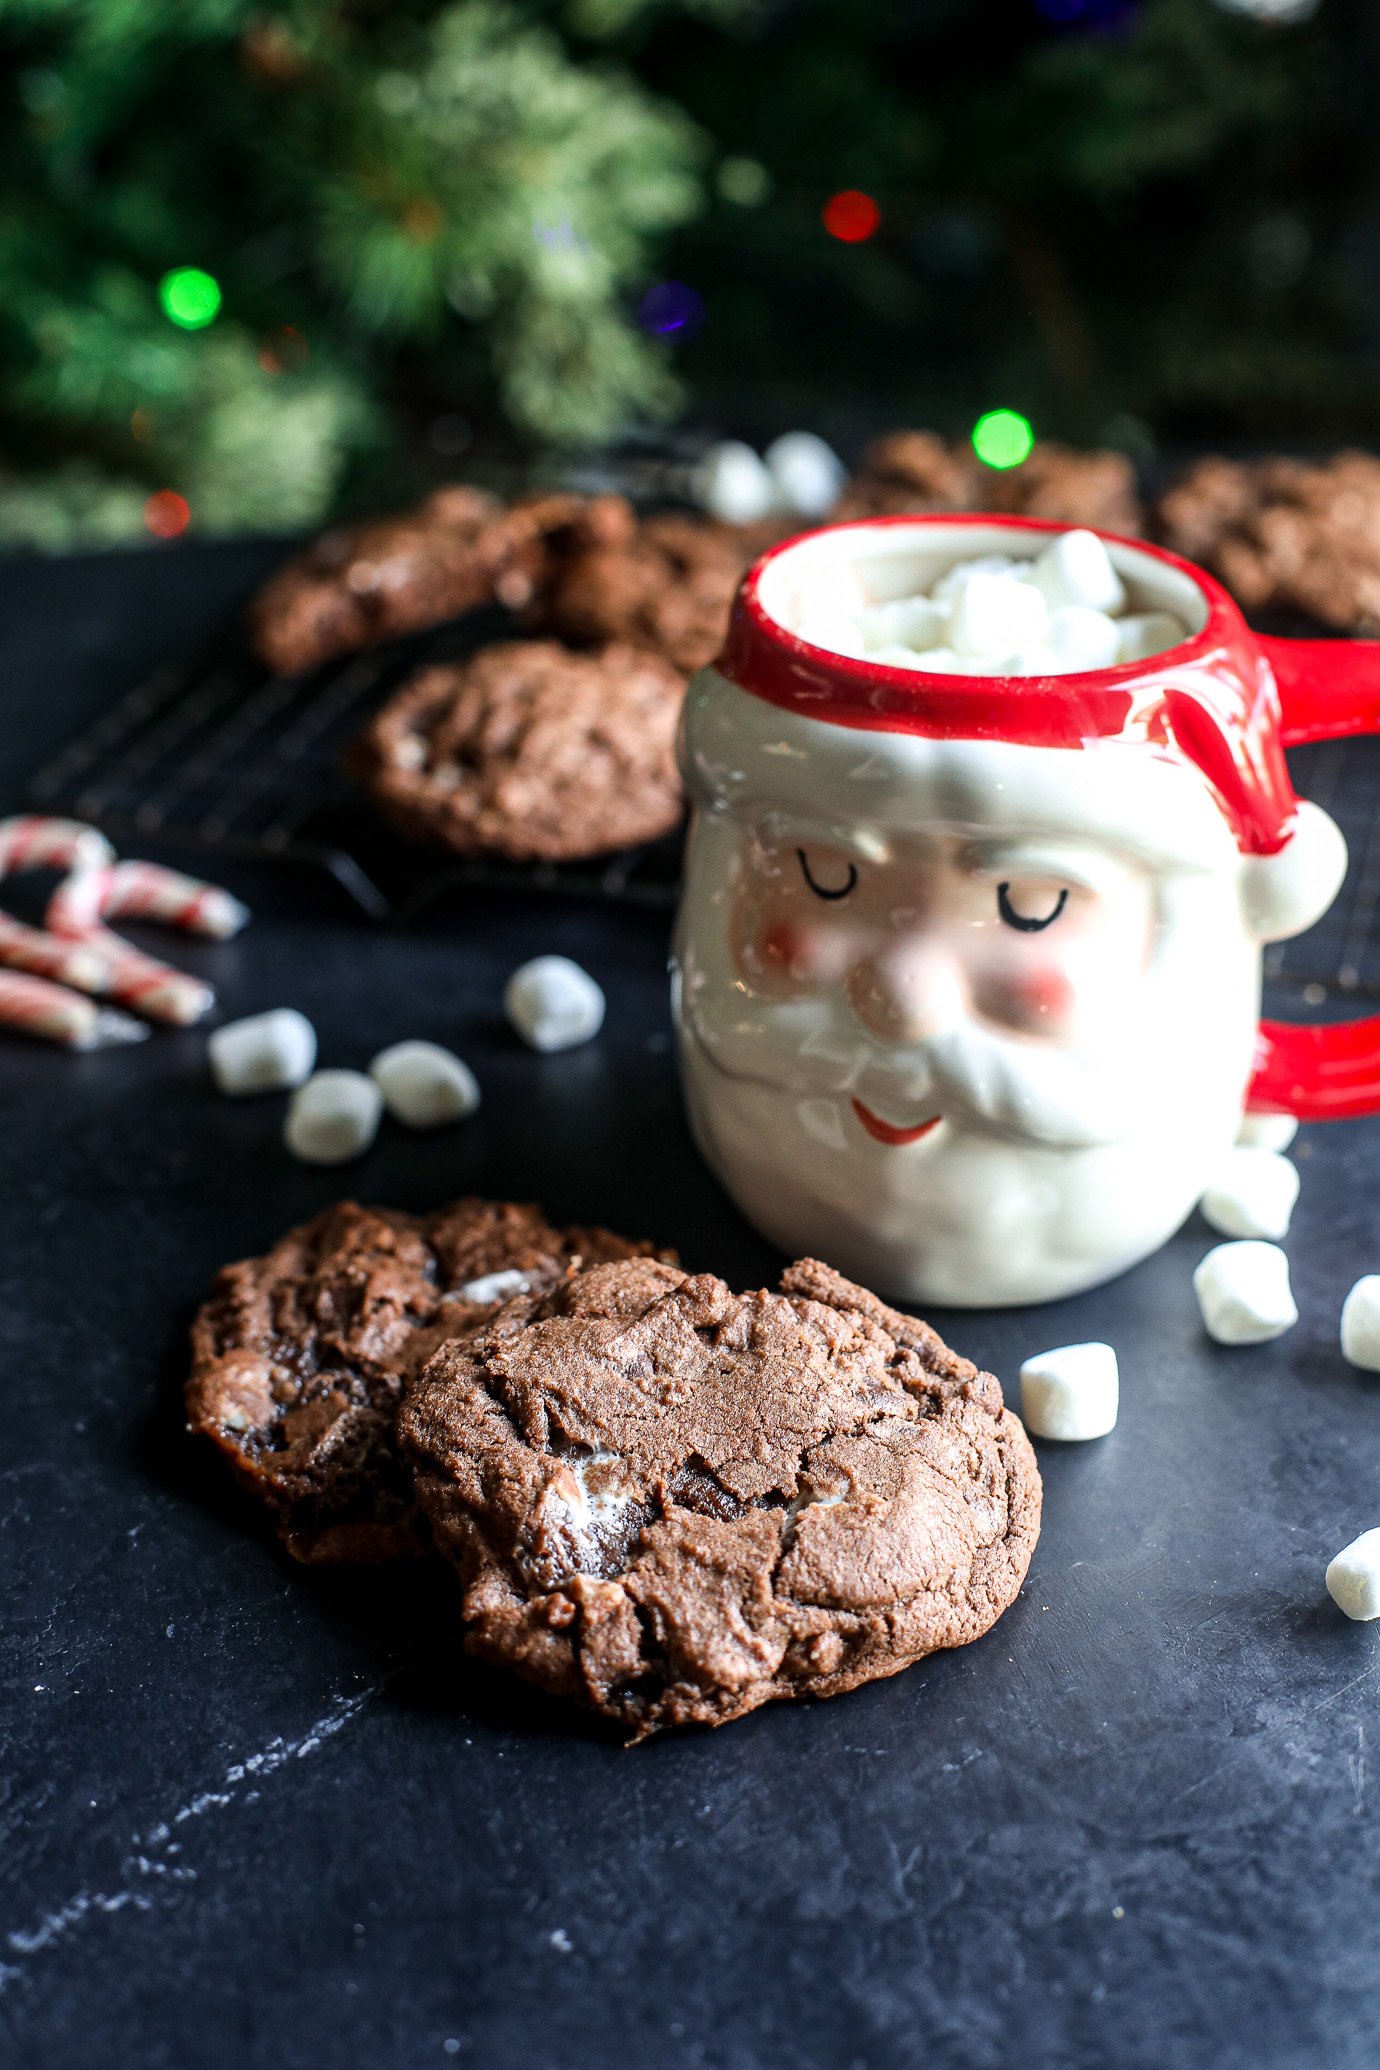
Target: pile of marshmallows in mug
(995, 616)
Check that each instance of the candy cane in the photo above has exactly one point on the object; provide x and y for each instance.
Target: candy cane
(78, 964)
(81, 904)
(32, 1006)
(38, 842)
(146, 891)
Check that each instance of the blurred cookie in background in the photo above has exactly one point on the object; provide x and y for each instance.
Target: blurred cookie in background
(358, 584)
(664, 583)
(1284, 535)
(917, 471)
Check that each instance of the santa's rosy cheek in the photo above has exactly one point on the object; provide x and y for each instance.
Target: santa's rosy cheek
(805, 955)
(1042, 997)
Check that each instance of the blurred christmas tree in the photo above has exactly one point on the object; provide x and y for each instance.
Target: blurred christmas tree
(255, 253)
(231, 240)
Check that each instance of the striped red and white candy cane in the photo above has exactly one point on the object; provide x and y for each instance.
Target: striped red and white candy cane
(38, 843)
(79, 964)
(84, 901)
(147, 891)
(32, 1006)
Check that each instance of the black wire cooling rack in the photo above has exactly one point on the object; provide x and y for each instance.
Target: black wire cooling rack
(215, 756)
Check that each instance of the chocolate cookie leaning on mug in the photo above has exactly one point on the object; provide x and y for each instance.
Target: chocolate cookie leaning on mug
(672, 1503)
(664, 583)
(301, 1358)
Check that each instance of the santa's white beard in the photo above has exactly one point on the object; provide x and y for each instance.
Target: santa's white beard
(1031, 1090)
(1048, 1173)
(965, 1217)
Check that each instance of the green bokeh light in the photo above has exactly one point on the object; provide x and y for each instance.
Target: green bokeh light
(189, 298)
(1003, 438)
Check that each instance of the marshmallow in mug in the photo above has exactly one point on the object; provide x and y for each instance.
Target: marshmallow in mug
(992, 615)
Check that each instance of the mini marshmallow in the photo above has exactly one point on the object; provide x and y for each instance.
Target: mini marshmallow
(269, 1052)
(832, 631)
(1353, 1578)
(1243, 1291)
(1267, 1131)
(1252, 1193)
(423, 1085)
(494, 1286)
(1361, 1324)
(1147, 633)
(1076, 568)
(953, 579)
(333, 1117)
(1083, 638)
(916, 622)
(807, 474)
(732, 484)
(553, 1004)
(1072, 1393)
(992, 616)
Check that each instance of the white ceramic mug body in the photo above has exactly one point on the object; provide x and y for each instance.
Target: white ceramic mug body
(970, 1020)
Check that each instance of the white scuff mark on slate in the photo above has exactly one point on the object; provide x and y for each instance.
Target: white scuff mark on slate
(142, 1863)
(1356, 1763)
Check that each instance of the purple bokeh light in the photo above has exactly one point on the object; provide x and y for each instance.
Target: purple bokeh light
(1088, 14)
(671, 310)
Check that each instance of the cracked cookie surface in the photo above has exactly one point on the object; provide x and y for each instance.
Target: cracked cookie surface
(530, 751)
(301, 1358)
(673, 1503)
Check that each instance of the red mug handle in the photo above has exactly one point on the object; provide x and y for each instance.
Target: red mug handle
(1329, 690)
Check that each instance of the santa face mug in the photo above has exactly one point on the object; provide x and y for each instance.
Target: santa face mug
(967, 968)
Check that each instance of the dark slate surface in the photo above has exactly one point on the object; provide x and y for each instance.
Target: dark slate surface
(257, 1817)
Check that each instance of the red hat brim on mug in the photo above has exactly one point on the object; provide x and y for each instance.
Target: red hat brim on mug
(1211, 701)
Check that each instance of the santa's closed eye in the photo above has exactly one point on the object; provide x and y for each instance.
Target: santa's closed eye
(1022, 907)
(826, 886)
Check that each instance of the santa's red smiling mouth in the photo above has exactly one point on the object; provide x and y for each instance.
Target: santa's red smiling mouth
(884, 1132)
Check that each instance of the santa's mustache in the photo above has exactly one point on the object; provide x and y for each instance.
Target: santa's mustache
(1059, 1097)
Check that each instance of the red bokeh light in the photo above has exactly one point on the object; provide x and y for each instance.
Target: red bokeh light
(851, 216)
(167, 514)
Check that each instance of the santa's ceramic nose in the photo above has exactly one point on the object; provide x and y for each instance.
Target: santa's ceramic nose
(910, 992)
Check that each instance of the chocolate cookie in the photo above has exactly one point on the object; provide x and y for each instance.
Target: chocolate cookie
(369, 582)
(528, 750)
(300, 1358)
(917, 471)
(1285, 535)
(673, 1503)
(664, 583)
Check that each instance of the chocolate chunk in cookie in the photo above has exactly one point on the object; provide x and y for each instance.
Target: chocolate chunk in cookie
(300, 1358)
(1285, 535)
(665, 583)
(369, 582)
(530, 751)
(673, 1503)
(916, 471)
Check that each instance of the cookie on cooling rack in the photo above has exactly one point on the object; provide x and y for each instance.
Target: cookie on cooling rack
(674, 1503)
(301, 1358)
(530, 751)
(916, 471)
(665, 583)
(1285, 535)
(363, 583)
